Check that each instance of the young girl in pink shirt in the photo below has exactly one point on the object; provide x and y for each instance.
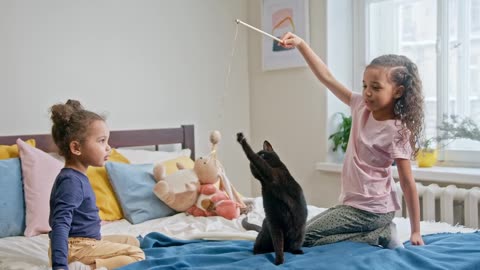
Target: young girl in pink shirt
(387, 122)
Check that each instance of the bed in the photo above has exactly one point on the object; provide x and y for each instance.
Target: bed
(179, 241)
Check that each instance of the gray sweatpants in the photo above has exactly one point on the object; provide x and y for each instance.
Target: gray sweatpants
(343, 222)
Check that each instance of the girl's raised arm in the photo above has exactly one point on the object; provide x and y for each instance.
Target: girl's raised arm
(290, 40)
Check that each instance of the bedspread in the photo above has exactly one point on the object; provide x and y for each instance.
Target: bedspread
(442, 251)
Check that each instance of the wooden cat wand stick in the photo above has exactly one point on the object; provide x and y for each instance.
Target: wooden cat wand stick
(258, 30)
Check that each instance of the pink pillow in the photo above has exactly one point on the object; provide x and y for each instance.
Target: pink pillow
(39, 171)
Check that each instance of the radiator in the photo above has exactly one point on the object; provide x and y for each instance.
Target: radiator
(445, 201)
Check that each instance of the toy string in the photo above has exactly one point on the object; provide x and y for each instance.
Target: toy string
(229, 71)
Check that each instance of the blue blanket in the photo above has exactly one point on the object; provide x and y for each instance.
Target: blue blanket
(442, 251)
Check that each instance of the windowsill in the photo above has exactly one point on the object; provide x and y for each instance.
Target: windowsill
(453, 175)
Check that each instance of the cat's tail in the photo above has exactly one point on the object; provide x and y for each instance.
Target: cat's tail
(250, 226)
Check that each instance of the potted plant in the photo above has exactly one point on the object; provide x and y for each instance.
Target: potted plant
(456, 127)
(452, 127)
(340, 137)
(427, 154)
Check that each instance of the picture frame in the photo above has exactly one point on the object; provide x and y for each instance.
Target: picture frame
(278, 18)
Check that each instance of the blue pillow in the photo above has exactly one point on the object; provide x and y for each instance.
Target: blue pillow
(133, 184)
(12, 203)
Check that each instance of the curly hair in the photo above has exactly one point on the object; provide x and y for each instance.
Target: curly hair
(409, 108)
(70, 123)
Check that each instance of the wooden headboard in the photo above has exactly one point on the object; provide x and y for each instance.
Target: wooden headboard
(183, 135)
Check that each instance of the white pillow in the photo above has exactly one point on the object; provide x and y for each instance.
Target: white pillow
(139, 156)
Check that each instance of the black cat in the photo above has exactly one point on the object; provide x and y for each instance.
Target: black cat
(283, 228)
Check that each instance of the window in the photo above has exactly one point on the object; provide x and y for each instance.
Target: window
(443, 39)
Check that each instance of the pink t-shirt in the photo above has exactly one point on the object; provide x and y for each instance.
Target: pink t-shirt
(367, 181)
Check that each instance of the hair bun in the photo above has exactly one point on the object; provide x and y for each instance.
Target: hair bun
(61, 113)
(75, 104)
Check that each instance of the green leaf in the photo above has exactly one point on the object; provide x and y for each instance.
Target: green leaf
(341, 136)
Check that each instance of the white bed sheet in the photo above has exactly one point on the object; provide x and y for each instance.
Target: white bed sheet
(31, 253)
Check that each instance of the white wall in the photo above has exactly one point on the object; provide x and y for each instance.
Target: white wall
(146, 64)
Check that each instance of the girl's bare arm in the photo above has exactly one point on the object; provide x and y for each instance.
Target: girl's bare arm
(411, 198)
(318, 67)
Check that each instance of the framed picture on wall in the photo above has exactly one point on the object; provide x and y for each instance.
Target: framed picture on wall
(279, 17)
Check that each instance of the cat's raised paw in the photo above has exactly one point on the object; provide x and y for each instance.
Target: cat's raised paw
(240, 137)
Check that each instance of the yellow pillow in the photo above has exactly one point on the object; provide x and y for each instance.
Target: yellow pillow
(107, 203)
(171, 165)
(11, 151)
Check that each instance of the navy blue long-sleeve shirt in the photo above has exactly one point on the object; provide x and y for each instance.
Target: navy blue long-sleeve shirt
(73, 213)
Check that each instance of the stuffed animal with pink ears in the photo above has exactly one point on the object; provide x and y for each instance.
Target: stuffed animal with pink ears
(217, 197)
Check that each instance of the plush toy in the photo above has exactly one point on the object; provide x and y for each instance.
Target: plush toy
(202, 191)
(178, 190)
(217, 197)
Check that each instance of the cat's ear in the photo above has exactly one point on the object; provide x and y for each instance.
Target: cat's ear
(267, 146)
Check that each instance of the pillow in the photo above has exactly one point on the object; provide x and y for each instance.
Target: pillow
(12, 215)
(140, 156)
(39, 171)
(133, 184)
(11, 151)
(107, 203)
(171, 165)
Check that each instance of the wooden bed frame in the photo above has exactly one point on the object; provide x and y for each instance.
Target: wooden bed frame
(183, 135)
